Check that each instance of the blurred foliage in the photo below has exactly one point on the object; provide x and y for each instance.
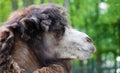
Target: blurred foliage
(98, 18)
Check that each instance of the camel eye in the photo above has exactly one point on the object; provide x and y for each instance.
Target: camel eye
(89, 39)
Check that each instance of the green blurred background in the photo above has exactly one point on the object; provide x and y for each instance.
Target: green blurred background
(100, 19)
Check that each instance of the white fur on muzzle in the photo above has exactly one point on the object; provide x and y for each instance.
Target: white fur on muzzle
(75, 45)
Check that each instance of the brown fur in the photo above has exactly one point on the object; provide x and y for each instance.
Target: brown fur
(23, 46)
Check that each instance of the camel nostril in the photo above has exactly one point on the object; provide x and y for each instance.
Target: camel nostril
(92, 49)
(89, 39)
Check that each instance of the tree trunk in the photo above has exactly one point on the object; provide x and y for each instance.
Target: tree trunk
(31, 2)
(119, 34)
(27, 2)
(42, 1)
(66, 4)
(81, 66)
(99, 64)
(14, 4)
(50, 1)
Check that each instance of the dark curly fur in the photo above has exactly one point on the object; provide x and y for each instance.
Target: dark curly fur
(23, 46)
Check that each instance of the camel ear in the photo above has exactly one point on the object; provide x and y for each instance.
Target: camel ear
(30, 23)
(35, 23)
